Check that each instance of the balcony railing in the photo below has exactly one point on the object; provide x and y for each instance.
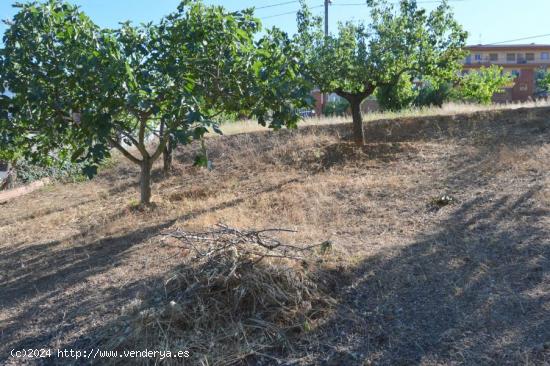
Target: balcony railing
(518, 61)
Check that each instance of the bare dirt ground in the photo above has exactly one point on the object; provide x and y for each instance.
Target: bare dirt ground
(463, 284)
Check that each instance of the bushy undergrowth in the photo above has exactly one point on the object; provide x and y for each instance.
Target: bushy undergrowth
(28, 172)
(433, 94)
(398, 96)
(336, 108)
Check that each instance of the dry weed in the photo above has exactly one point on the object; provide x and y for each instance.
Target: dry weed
(448, 109)
(465, 284)
(242, 294)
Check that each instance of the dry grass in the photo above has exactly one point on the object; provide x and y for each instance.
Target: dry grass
(448, 109)
(240, 294)
(466, 283)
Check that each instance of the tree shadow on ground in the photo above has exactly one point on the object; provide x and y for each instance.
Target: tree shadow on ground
(335, 155)
(473, 292)
(44, 212)
(473, 289)
(44, 275)
(391, 140)
(37, 276)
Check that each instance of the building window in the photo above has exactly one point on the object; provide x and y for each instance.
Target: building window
(520, 58)
(510, 57)
(545, 56)
(478, 57)
(515, 73)
(493, 57)
(530, 56)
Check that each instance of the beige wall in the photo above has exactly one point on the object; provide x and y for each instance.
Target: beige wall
(502, 57)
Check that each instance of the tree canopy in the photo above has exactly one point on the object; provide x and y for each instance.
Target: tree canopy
(397, 96)
(80, 90)
(358, 59)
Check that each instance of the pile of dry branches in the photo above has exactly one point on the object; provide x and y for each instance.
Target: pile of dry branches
(242, 294)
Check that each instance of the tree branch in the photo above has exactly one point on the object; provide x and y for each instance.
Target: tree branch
(396, 77)
(124, 152)
(162, 144)
(141, 145)
(141, 136)
(367, 90)
(129, 137)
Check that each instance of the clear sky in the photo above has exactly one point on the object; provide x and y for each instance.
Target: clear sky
(487, 21)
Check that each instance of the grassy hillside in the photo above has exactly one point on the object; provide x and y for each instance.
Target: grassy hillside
(421, 282)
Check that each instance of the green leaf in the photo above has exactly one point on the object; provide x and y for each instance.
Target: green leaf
(77, 153)
(90, 171)
(200, 161)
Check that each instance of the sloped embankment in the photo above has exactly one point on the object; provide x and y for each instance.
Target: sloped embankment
(462, 283)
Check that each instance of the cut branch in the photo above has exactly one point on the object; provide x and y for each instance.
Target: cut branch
(252, 243)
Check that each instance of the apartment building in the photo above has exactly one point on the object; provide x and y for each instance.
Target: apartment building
(522, 60)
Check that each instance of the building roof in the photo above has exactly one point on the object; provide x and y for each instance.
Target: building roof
(509, 47)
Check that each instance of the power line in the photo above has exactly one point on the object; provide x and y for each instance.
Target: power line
(333, 4)
(326, 5)
(278, 4)
(364, 3)
(519, 39)
(418, 2)
(290, 12)
(280, 15)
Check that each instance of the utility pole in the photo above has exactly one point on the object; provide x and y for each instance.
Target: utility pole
(327, 3)
(325, 96)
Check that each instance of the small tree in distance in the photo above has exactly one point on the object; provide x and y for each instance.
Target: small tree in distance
(359, 59)
(479, 86)
(80, 90)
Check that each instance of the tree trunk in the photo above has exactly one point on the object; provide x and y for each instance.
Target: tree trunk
(145, 182)
(355, 100)
(11, 177)
(166, 153)
(167, 158)
(358, 132)
(4, 167)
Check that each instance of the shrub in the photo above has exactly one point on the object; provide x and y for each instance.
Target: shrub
(67, 172)
(394, 97)
(542, 79)
(479, 87)
(336, 108)
(433, 94)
